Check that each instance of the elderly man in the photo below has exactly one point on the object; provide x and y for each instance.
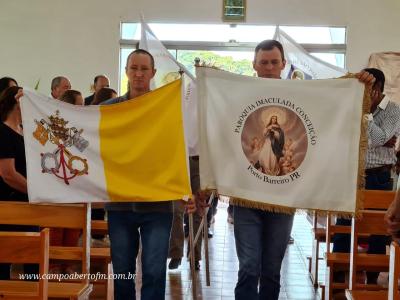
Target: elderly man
(100, 81)
(59, 85)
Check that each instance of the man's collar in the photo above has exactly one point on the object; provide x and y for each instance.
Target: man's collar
(125, 96)
(383, 103)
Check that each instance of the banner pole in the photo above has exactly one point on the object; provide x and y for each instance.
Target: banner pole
(191, 254)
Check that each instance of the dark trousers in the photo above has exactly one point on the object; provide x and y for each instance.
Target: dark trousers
(98, 214)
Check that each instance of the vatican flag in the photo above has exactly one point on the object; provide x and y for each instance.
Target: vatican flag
(131, 151)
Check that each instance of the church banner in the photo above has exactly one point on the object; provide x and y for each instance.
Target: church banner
(389, 64)
(168, 69)
(302, 65)
(130, 151)
(282, 144)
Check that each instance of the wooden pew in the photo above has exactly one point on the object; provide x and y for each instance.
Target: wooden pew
(319, 236)
(394, 273)
(370, 223)
(373, 199)
(75, 216)
(101, 288)
(24, 247)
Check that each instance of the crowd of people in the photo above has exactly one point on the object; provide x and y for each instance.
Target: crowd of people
(261, 236)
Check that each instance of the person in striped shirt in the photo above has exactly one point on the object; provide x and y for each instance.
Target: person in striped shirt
(383, 129)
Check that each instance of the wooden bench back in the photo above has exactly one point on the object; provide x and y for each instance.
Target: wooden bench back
(374, 200)
(27, 247)
(370, 223)
(75, 216)
(45, 215)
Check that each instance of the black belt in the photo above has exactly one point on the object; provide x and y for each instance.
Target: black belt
(196, 157)
(377, 170)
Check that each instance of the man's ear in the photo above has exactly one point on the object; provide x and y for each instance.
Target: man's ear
(154, 72)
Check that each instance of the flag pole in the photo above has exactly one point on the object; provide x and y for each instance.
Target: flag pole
(205, 235)
(192, 244)
(191, 254)
(146, 28)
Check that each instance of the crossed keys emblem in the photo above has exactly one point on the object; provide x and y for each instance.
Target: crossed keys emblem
(61, 162)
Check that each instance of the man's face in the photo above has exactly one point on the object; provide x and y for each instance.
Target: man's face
(269, 63)
(139, 72)
(101, 83)
(376, 94)
(60, 89)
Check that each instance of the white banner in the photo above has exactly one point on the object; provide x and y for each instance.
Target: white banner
(280, 142)
(389, 64)
(301, 65)
(168, 69)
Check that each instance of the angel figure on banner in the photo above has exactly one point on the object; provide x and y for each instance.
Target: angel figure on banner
(255, 148)
(272, 149)
(287, 163)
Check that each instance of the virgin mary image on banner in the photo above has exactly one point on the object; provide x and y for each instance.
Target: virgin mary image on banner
(274, 140)
(272, 150)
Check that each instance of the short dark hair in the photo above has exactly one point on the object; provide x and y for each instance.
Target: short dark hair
(5, 83)
(7, 101)
(141, 51)
(269, 45)
(98, 77)
(57, 81)
(69, 96)
(102, 95)
(379, 76)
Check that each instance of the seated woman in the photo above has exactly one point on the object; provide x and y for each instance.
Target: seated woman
(7, 82)
(72, 97)
(104, 94)
(13, 185)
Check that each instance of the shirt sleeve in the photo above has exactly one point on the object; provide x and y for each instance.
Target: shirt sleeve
(379, 135)
(6, 145)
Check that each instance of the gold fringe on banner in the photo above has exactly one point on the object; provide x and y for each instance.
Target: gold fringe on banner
(366, 107)
(281, 209)
(360, 177)
(262, 206)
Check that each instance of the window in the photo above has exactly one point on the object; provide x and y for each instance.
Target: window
(230, 47)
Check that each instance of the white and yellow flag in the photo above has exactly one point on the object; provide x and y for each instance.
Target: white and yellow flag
(130, 151)
(168, 69)
(281, 143)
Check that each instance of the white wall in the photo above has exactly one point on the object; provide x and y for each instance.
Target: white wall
(80, 38)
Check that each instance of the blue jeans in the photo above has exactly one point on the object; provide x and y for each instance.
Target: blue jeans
(261, 240)
(124, 234)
